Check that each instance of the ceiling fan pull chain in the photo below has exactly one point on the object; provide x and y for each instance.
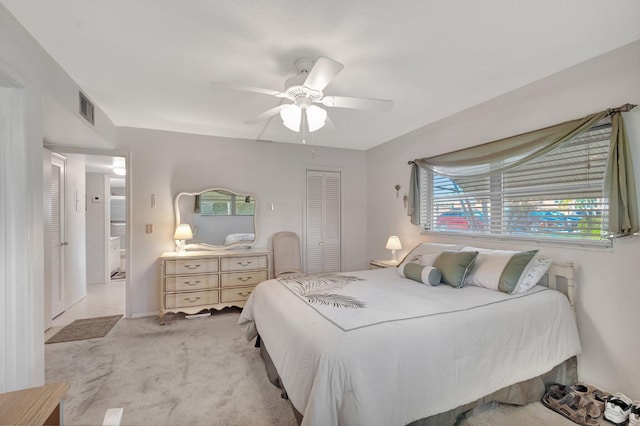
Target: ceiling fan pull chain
(304, 126)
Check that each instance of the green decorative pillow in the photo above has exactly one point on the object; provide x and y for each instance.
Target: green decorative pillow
(424, 252)
(454, 266)
(421, 273)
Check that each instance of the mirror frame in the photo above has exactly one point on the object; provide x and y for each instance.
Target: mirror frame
(206, 246)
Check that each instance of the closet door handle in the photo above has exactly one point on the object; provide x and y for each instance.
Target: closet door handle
(66, 243)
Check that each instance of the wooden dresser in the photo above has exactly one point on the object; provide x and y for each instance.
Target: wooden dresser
(199, 280)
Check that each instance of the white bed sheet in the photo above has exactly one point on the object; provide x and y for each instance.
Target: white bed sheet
(397, 360)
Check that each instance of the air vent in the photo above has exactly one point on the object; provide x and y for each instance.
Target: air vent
(86, 109)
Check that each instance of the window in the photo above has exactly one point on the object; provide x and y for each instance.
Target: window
(222, 203)
(558, 196)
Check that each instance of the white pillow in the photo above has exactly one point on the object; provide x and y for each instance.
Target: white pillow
(498, 270)
(532, 275)
(417, 253)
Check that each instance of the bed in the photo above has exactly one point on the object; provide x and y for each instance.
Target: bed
(375, 348)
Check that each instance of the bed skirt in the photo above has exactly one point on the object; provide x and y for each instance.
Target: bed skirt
(521, 393)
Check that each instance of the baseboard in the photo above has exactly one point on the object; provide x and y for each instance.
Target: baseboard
(79, 299)
(145, 314)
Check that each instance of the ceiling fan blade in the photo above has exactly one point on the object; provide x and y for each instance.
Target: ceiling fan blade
(267, 114)
(323, 71)
(329, 124)
(251, 89)
(381, 105)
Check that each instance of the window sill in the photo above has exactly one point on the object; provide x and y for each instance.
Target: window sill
(603, 245)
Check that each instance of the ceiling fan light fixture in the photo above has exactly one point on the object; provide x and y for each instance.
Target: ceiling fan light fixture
(120, 171)
(316, 117)
(291, 117)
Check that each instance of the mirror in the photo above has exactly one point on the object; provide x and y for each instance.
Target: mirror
(219, 218)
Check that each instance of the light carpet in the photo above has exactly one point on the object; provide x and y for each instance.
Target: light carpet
(194, 372)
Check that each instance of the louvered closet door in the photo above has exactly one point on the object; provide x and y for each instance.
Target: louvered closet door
(322, 237)
(57, 237)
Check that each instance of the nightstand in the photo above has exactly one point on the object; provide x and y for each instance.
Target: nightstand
(377, 264)
(41, 405)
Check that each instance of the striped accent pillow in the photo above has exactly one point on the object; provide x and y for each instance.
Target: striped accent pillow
(498, 270)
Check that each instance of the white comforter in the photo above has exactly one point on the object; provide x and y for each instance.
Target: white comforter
(409, 351)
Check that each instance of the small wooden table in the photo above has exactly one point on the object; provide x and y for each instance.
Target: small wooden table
(41, 405)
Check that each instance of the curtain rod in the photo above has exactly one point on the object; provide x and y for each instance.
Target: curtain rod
(623, 108)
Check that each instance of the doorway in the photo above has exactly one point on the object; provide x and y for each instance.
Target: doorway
(104, 246)
(117, 227)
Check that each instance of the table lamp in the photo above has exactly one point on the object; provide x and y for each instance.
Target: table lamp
(393, 244)
(183, 232)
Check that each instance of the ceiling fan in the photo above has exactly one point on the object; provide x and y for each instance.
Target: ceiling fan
(306, 89)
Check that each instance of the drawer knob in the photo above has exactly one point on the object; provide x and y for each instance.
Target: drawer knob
(244, 279)
(244, 294)
(247, 263)
(189, 266)
(192, 283)
(192, 299)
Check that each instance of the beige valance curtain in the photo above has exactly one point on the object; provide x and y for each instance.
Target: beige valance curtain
(505, 154)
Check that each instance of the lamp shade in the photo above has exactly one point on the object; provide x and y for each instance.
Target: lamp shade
(291, 117)
(183, 232)
(393, 243)
(316, 117)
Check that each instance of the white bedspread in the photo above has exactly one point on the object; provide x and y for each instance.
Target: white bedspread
(388, 350)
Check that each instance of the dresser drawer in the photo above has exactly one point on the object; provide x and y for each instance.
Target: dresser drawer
(191, 282)
(243, 263)
(237, 279)
(196, 298)
(237, 294)
(192, 266)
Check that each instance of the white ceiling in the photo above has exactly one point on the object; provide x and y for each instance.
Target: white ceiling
(151, 63)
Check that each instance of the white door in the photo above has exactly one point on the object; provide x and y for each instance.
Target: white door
(322, 233)
(58, 241)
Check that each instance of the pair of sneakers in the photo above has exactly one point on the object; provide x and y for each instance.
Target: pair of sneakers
(634, 415)
(619, 408)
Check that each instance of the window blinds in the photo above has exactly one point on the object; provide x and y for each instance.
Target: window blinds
(557, 195)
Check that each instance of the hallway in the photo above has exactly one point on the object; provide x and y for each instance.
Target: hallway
(102, 300)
